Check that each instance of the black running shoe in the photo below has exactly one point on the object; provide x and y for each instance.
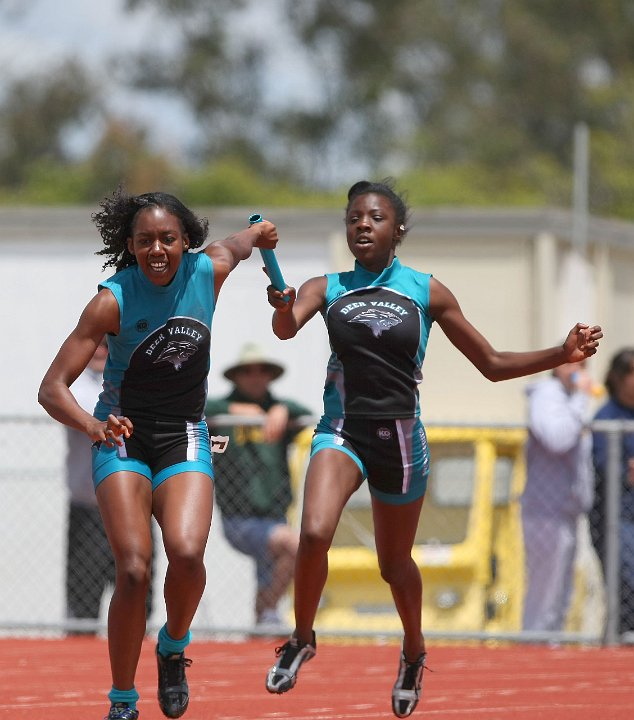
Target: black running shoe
(283, 675)
(121, 711)
(173, 691)
(407, 688)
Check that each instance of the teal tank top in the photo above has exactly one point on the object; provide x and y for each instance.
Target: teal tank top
(158, 364)
(378, 326)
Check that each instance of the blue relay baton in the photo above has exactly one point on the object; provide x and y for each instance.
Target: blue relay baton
(270, 261)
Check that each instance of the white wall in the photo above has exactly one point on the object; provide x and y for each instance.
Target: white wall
(44, 288)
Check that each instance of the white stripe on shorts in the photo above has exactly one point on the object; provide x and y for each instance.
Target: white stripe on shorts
(337, 439)
(192, 441)
(405, 459)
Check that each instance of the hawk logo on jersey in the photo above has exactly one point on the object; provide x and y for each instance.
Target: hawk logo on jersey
(377, 320)
(177, 353)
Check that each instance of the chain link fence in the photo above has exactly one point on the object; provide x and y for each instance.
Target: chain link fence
(470, 547)
(34, 539)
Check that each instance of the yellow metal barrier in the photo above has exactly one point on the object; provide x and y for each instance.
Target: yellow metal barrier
(468, 547)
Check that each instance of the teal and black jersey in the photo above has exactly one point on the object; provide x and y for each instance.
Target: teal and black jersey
(158, 364)
(378, 326)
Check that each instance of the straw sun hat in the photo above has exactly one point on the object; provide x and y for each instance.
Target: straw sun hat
(252, 354)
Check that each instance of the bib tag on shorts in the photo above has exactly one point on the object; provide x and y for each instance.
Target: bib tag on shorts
(218, 443)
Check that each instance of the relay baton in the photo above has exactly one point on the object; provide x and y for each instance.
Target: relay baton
(270, 261)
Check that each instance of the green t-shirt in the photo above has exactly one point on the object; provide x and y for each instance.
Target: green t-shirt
(252, 477)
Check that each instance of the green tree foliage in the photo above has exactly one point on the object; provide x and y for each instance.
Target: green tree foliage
(495, 86)
(230, 181)
(482, 95)
(217, 77)
(35, 115)
(463, 101)
(36, 165)
(122, 156)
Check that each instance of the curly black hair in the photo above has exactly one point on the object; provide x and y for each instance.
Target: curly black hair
(115, 222)
(386, 188)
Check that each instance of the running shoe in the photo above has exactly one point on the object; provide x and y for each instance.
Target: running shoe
(283, 675)
(407, 688)
(121, 711)
(173, 691)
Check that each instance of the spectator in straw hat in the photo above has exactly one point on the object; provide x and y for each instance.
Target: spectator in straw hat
(253, 487)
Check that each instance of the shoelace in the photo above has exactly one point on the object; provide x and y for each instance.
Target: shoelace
(294, 646)
(173, 670)
(288, 652)
(280, 650)
(411, 671)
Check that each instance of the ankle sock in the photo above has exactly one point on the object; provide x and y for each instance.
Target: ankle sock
(129, 697)
(168, 646)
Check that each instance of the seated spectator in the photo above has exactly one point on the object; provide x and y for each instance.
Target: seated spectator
(252, 477)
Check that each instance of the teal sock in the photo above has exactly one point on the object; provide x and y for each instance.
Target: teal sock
(124, 696)
(168, 646)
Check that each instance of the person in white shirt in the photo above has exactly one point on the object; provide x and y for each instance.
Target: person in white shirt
(558, 490)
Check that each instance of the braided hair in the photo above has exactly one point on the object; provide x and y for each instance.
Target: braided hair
(385, 188)
(115, 222)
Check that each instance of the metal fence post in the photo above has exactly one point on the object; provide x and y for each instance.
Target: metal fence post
(612, 540)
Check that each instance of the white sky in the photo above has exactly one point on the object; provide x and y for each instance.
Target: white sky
(51, 29)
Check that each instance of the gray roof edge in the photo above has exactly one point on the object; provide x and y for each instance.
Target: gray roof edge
(74, 222)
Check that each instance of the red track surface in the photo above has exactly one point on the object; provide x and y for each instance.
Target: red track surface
(68, 680)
